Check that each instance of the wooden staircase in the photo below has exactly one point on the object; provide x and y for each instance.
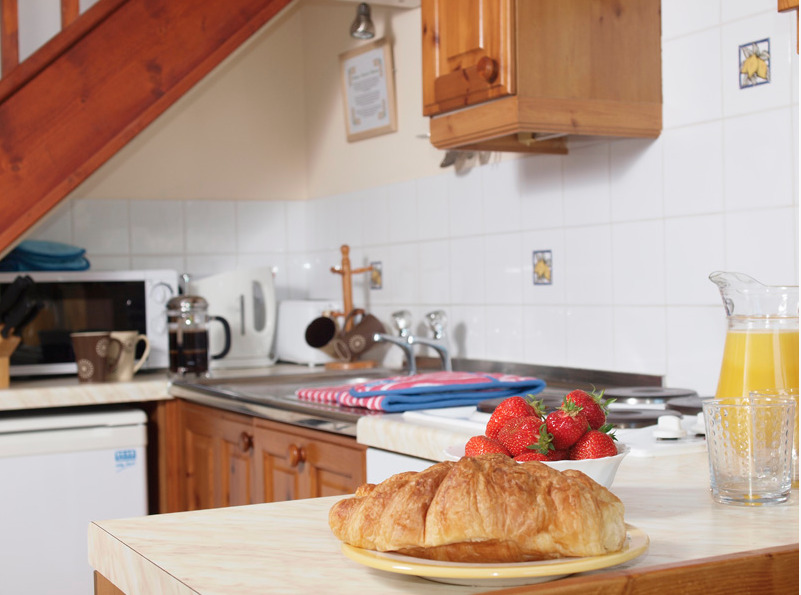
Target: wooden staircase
(107, 75)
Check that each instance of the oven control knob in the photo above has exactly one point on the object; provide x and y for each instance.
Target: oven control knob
(161, 293)
(668, 427)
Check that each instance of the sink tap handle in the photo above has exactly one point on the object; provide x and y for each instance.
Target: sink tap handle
(403, 322)
(437, 321)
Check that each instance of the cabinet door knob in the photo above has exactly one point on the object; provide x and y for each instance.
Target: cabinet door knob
(487, 69)
(245, 441)
(297, 455)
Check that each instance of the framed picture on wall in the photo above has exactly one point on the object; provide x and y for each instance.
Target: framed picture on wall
(368, 90)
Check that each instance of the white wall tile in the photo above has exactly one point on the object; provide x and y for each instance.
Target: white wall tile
(587, 186)
(261, 226)
(504, 330)
(172, 262)
(776, 93)
(542, 240)
(296, 225)
(694, 169)
(588, 265)
(210, 227)
(503, 269)
(694, 248)
(467, 328)
(588, 331)
(501, 196)
(102, 226)
(403, 216)
(203, 265)
(375, 215)
(541, 192)
(157, 227)
(56, 226)
(434, 270)
(465, 203)
(638, 263)
(640, 339)
(432, 208)
(345, 224)
(757, 160)
(544, 335)
(737, 9)
(680, 17)
(401, 276)
(691, 79)
(761, 243)
(468, 283)
(695, 338)
(636, 179)
(323, 284)
(108, 263)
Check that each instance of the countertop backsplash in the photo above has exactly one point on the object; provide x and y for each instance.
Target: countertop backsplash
(596, 259)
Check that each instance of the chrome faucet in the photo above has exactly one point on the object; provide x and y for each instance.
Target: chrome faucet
(403, 322)
(437, 321)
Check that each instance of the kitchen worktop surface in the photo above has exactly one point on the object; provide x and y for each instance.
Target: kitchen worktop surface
(287, 547)
(67, 391)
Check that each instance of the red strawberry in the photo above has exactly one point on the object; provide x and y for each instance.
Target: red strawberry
(511, 408)
(567, 424)
(518, 433)
(595, 444)
(531, 455)
(557, 455)
(595, 406)
(479, 445)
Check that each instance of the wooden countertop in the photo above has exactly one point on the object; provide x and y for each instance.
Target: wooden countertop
(288, 548)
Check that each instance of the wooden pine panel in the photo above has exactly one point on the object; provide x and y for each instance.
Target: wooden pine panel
(9, 36)
(70, 9)
(104, 89)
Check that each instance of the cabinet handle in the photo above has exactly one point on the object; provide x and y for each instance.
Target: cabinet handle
(245, 441)
(297, 455)
(487, 69)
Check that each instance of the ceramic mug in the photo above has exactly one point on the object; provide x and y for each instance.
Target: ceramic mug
(322, 332)
(127, 365)
(351, 344)
(91, 354)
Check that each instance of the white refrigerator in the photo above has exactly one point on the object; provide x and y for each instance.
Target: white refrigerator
(58, 472)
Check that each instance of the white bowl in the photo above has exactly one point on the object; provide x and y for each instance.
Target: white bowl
(601, 470)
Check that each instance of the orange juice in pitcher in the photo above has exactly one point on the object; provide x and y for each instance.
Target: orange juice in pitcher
(761, 349)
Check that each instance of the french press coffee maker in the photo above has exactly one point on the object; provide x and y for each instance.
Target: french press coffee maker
(187, 322)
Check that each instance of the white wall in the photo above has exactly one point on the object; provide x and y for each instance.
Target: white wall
(635, 226)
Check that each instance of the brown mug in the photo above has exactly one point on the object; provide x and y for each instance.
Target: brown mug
(322, 332)
(351, 344)
(91, 354)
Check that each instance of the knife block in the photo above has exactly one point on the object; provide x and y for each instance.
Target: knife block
(7, 347)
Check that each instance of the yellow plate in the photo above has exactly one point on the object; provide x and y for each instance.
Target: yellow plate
(499, 575)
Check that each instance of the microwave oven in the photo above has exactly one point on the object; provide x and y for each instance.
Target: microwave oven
(77, 301)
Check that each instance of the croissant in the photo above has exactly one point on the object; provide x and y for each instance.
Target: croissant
(483, 509)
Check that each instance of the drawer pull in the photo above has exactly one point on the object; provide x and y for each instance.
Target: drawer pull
(487, 69)
(297, 455)
(245, 442)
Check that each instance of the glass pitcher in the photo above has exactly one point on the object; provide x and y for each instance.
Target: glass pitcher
(761, 349)
(187, 323)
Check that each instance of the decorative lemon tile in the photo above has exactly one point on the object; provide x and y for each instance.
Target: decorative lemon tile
(543, 267)
(755, 63)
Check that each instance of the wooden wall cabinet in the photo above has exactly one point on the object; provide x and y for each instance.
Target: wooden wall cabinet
(519, 75)
(230, 459)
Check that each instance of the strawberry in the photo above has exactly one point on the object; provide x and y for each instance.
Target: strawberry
(511, 408)
(557, 455)
(594, 405)
(531, 455)
(595, 444)
(567, 424)
(479, 445)
(518, 433)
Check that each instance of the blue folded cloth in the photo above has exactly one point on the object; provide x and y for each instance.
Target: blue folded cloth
(41, 255)
(436, 390)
